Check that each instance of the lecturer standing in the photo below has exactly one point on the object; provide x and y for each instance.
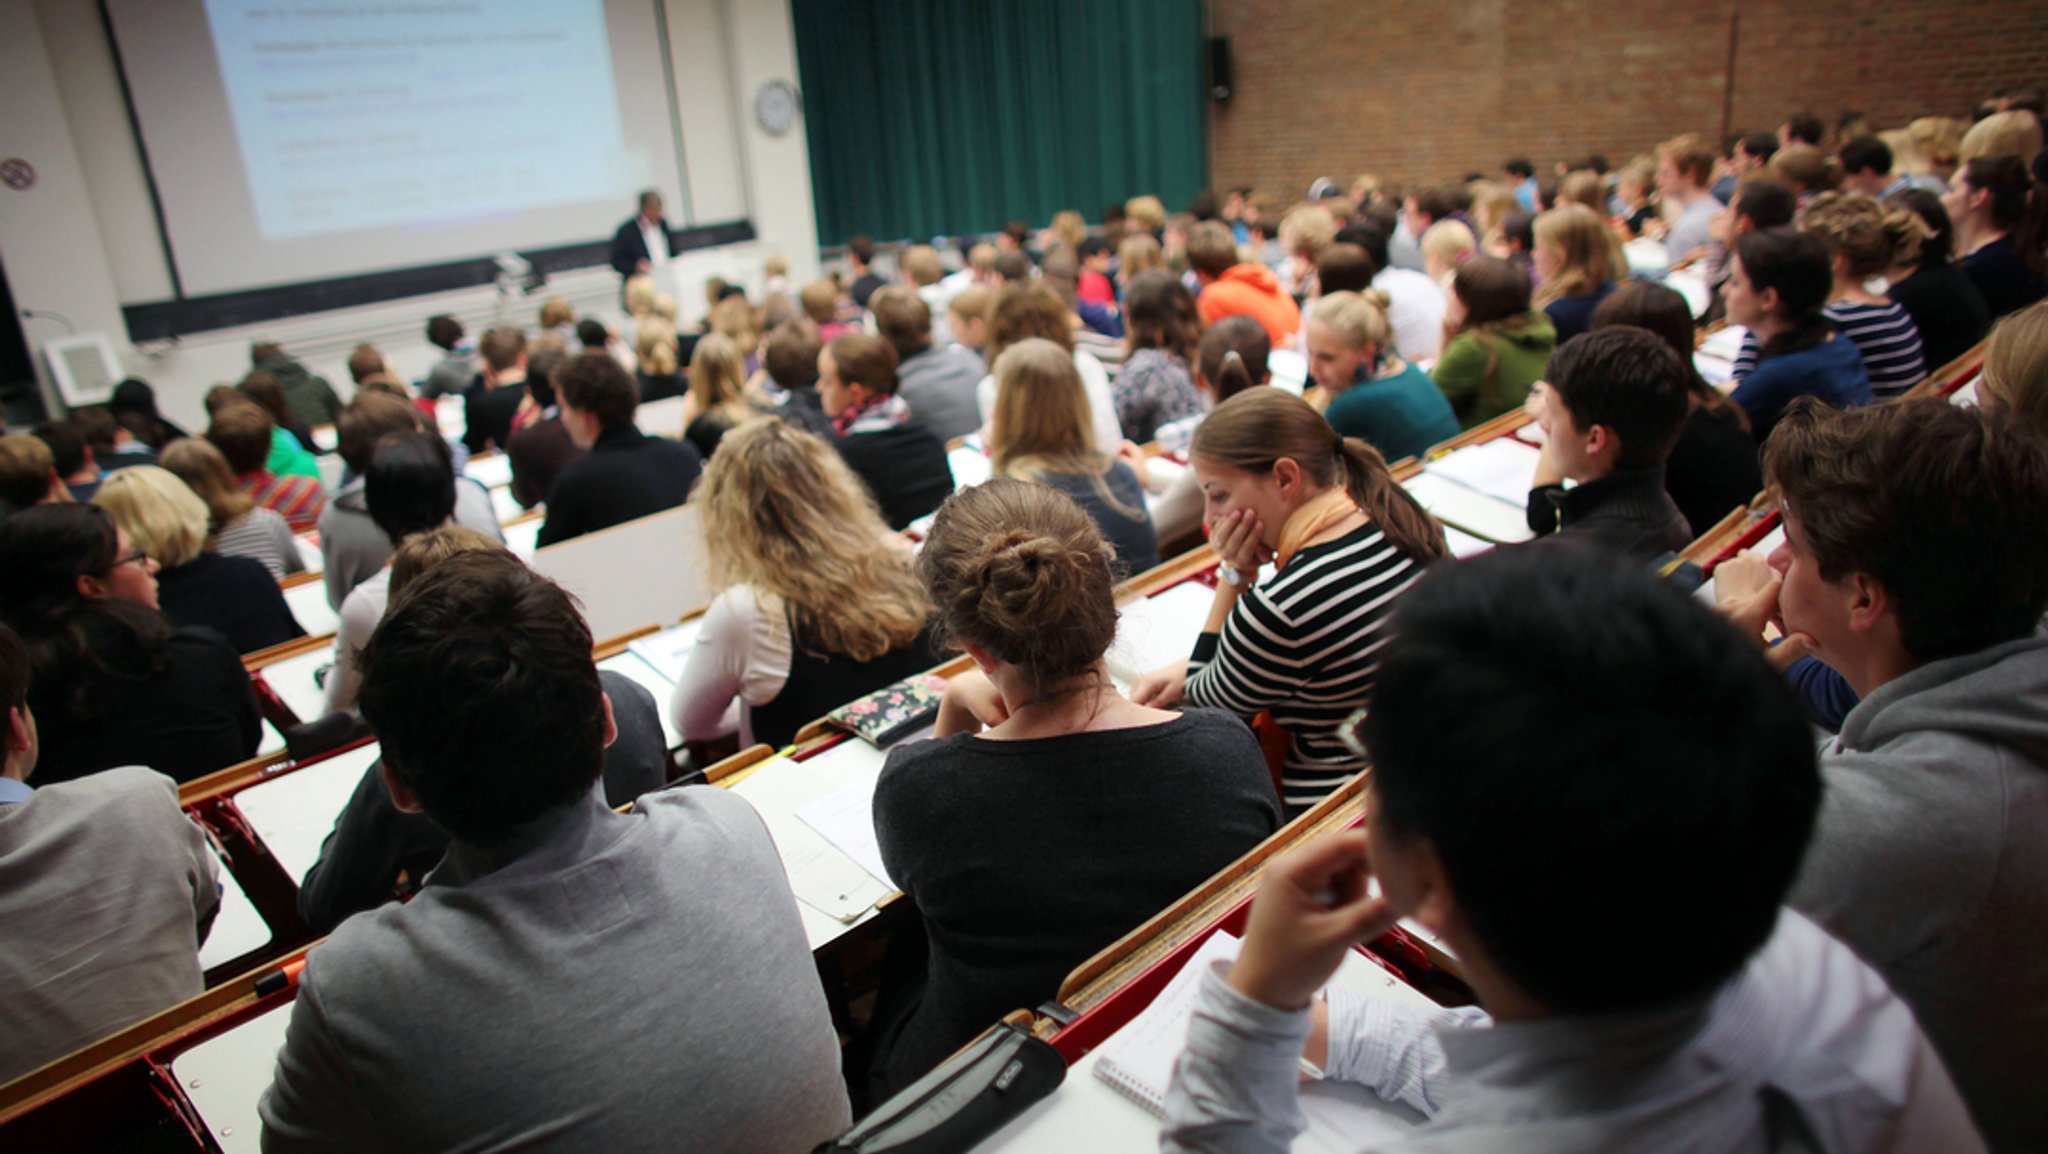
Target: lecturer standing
(644, 243)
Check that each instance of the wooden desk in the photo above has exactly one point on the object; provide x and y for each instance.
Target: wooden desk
(649, 569)
(306, 595)
(238, 930)
(225, 1076)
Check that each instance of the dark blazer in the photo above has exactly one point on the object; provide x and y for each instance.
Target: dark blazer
(487, 416)
(373, 842)
(235, 595)
(629, 248)
(627, 474)
(539, 453)
(904, 467)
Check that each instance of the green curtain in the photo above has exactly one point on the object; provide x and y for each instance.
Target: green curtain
(942, 117)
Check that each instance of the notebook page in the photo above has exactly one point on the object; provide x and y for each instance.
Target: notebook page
(1138, 1059)
(1503, 468)
(846, 818)
(1152, 632)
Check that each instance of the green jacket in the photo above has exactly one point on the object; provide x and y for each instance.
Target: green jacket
(1487, 371)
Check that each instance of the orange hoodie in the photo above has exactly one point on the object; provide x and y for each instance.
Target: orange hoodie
(1251, 290)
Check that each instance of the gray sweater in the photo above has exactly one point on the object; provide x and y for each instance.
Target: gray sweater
(353, 548)
(1931, 860)
(604, 981)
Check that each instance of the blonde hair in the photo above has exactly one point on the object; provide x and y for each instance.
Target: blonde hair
(1938, 138)
(1147, 212)
(1869, 236)
(1587, 256)
(1139, 252)
(1041, 424)
(2016, 363)
(718, 378)
(195, 461)
(1584, 186)
(774, 265)
(782, 512)
(161, 514)
(556, 311)
(662, 305)
(656, 347)
(1068, 226)
(820, 299)
(1308, 230)
(1360, 319)
(1492, 204)
(2014, 133)
(1446, 243)
(920, 265)
(639, 293)
(1690, 155)
(733, 318)
(1807, 169)
(972, 303)
(422, 551)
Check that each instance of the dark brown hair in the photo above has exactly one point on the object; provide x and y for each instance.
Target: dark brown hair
(242, 434)
(1022, 571)
(1027, 309)
(369, 418)
(597, 384)
(1253, 430)
(1491, 289)
(903, 319)
(266, 390)
(1660, 309)
(864, 360)
(791, 354)
(1942, 504)
(1159, 313)
(501, 348)
(1226, 376)
(1344, 268)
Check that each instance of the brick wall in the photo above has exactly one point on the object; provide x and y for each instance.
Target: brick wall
(1423, 92)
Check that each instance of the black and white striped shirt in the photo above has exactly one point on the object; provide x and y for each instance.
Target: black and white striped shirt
(1305, 646)
(1889, 341)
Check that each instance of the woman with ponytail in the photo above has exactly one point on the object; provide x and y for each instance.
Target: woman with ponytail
(1049, 815)
(1778, 285)
(1864, 241)
(2001, 218)
(1283, 487)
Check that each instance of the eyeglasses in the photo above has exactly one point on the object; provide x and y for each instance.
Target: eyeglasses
(130, 559)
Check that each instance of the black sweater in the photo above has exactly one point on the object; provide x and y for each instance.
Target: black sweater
(198, 714)
(627, 474)
(1625, 512)
(235, 595)
(904, 467)
(1026, 857)
(1948, 310)
(1713, 468)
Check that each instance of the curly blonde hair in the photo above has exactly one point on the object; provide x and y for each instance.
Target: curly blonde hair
(781, 512)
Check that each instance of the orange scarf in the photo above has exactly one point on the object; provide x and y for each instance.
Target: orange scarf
(1312, 520)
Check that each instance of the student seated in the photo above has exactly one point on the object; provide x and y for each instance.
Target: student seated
(241, 431)
(106, 887)
(1495, 345)
(28, 474)
(1735, 1024)
(233, 595)
(2000, 236)
(624, 473)
(308, 393)
(352, 548)
(902, 462)
(1028, 308)
(580, 979)
(936, 381)
(1576, 263)
(1778, 283)
(377, 850)
(1944, 303)
(1914, 565)
(1230, 358)
(789, 359)
(114, 683)
(1864, 241)
(656, 360)
(1233, 288)
(71, 457)
(1363, 387)
(1040, 432)
(410, 488)
(2015, 378)
(1610, 413)
(817, 605)
(1156, 386)
(291, 441)
(1346, 542)
(1685, 166)
(1712, 469)
(717, 399)
(236, 526)
(1141, 804)
(487, 412)
(539, 449)
(453, 374)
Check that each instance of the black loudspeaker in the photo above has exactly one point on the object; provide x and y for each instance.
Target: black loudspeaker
(1220, 79)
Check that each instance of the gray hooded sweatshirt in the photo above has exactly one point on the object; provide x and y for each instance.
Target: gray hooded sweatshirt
(1931, 860)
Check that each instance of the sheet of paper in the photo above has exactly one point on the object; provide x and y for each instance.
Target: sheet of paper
(846, 818)
(1965, 395)
(833, 890)
(505, 505)
(1477, 514)
(308, 603)
(636, 667)
(1691, 284)
(492, 471)
(296, 682)
(1152, 632)
(237, 929)
(523, 538)
(669, 650)
(1464, 544)
(309, 551)
(226, 1075)
(1724, 343)
(293, 813)
(1288, 369)
(1502, 468)
(1645, 254)
(969, 466)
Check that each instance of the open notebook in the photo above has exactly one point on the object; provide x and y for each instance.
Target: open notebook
(1138, 1060)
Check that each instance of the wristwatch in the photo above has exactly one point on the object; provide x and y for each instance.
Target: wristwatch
(1229, 574)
